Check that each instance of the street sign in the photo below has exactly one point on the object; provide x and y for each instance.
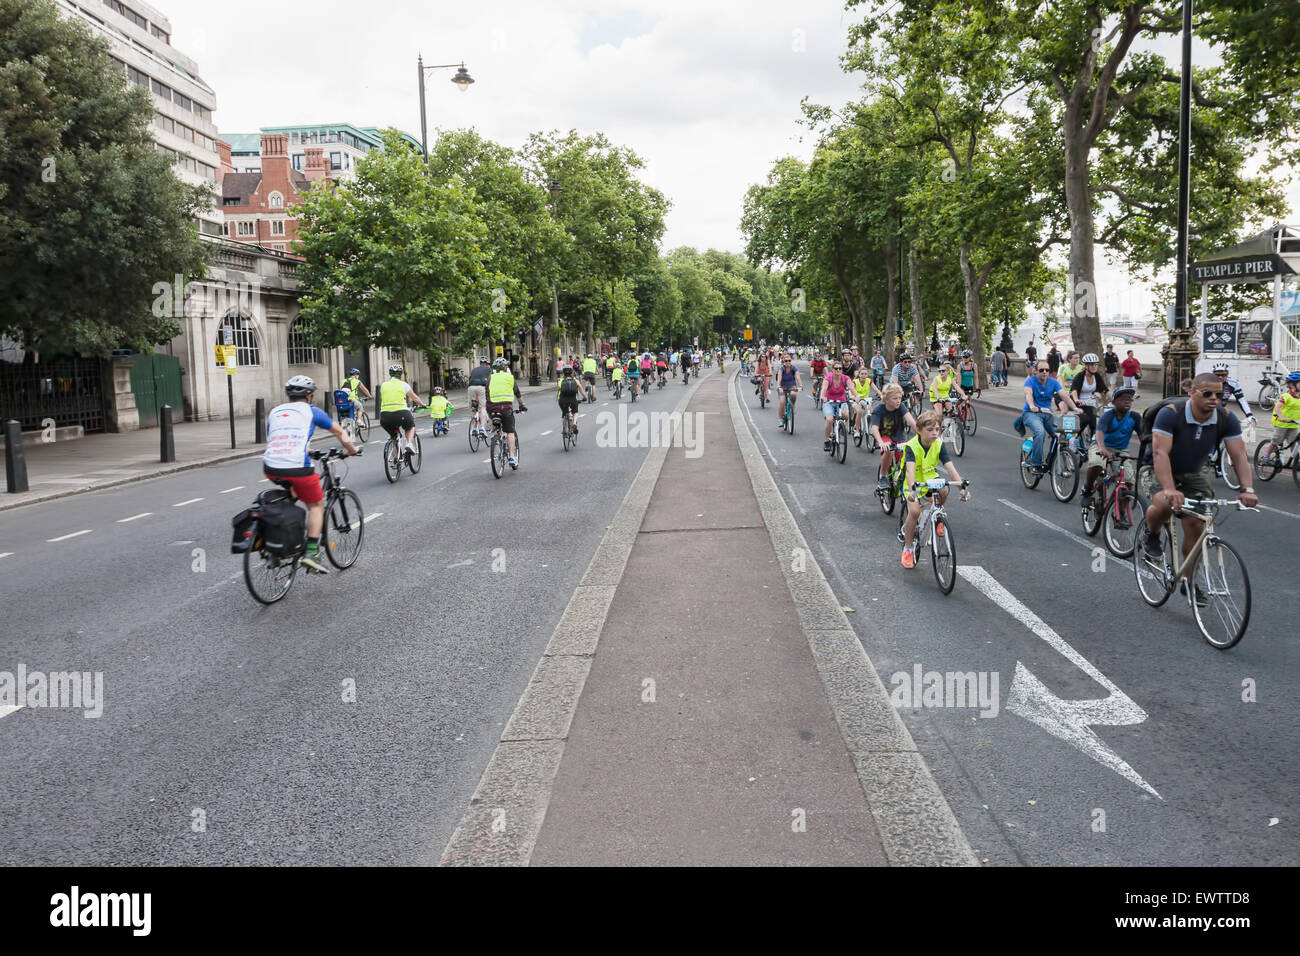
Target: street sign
(634, 346)
(501, 350)
(749, 335)
(221, 353)
(227, 336)
(1219, 338)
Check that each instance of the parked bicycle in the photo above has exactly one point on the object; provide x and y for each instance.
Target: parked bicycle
(1211, 574)
(1271, 385)
(272, 534)
(933, 529)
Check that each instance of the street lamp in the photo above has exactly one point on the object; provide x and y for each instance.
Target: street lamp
(462, 79)
(555, 189)
(1180, 352)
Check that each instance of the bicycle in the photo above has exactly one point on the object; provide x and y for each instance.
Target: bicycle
(569, 433)
(863, 433)
(787, 419)
(269, 576)
(839, 433)
(966, 413)
(1214, 577)
(1114, 507)
(618, 389)
(1267, 466)
(893, 489)
(500, 448)
(399, 453)
(634, 388)
(1059, 460)
(1271, 387)
(933, 528)
(954, 433)
(589, 390)
(912, 399)
(475, 439)
(352, 417)
(1221, 462)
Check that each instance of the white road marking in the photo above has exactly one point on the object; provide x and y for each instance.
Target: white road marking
(67, 536)
(229, 490)
(547, 432)
(1066, 719)
(1003, 434)
(1279, 511)
(460, 564)
(5, 554)
(182, 504)
(377, 514)
(795, 500)
(758, 432)
(7, 709)
(142, 514)
(260, 480)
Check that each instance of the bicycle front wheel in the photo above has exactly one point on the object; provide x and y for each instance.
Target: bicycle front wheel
(363, 427)
(1221, 575)
(842, 443)
(1124, 512)
(789, 411)
(972, 422)
(1225, 465)
(1093, 514)
(1155, 576)
(268, 579)
(1266, 465)
(958, 438)
(344, 526)
(943, 553)
(392, 463)
(1065, 474)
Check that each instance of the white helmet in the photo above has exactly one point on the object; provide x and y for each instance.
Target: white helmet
(1220, 367)
(1091, 359)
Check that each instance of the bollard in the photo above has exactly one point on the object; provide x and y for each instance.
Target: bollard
(15, 463)
(259, 422)
(166, 440)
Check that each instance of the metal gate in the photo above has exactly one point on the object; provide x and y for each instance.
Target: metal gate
(155, 381)
(70, 391)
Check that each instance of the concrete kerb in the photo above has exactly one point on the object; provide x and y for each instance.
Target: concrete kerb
(917, 827)
(508, 808)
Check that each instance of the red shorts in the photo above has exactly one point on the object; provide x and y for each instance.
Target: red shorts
(306, 487)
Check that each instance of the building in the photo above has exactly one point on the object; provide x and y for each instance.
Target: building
(340, 146)
(258, 205)
(140, 37)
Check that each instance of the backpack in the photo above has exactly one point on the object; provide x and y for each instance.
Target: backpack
(282, 524)
(569, 388)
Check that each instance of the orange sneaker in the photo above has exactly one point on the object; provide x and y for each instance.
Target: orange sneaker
(909, 558)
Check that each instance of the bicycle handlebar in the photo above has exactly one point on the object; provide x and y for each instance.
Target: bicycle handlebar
(1195, 503)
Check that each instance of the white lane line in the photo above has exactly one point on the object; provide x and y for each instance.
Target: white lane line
(603, 404)
(1069, 720)
(758, 432)
(5, 554)
(182, 504)
(7, 709)
(486, 460)
(1279, 511)
(377, 514)
(142, 514)
(67, 536)
(547, 432)
(790, 489)
(260, 480)
(1078, 539)
(985, 428)
(229, 490)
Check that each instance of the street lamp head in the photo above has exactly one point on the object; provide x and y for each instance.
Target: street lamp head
(555, 188)
(462, 79)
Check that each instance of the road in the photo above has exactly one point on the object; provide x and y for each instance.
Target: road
(1197, 781)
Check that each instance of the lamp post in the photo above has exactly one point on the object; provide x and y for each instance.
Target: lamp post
(1181, 351)
(554, 188)
(462, 79)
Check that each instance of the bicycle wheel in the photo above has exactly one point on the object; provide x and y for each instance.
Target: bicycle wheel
(943, 554)
(1093, 514)
(789, 411)
(416, 458)
(392, 463)
(972, 422)
(344, 527)
(1155, 578)
(762, 397)
(886, 494)
(1124, 511)
(363, 427)
(1027, 476)
(1221, 574)
(858, 435)
(1065, 474)
(958, 438)
(1146, 482)
(564, 433)
(268, 579)
(1266, 466)
(474, 439)
(842, 444)
(1229, 473)
(1267, 396)
(497, 455)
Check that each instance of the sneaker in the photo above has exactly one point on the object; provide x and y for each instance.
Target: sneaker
(312, 562)
(1152, 548)
(826, 446)
(882, 481)
(909, 558)
(514, 462)
(575, 429)
(1200, 598)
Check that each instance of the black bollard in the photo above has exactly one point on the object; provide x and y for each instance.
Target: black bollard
(166, 440)
(15, 463)
(259, 423)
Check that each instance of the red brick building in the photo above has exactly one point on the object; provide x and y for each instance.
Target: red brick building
(258, 207)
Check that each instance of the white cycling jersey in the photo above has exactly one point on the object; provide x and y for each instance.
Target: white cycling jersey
(289, 429)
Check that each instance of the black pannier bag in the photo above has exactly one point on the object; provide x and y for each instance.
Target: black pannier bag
(245, 529)
(282, 525)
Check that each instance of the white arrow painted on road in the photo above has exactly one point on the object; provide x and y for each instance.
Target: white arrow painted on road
(7, 709)
(1066, 719)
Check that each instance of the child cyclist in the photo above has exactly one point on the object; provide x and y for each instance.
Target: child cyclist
(1114, 432)
(862, 388)
(941, 390)
(922, 456)
(440, 410)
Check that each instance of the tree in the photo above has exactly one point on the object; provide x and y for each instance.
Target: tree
(91, 216)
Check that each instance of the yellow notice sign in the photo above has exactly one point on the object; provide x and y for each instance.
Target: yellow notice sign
(501, 350)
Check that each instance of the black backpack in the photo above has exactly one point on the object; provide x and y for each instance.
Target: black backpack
(569, 388)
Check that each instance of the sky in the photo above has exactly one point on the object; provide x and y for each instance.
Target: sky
(707, 92)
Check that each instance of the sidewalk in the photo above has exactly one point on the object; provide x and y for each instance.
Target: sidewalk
(57, 469)
(1013, 396)
(705, 703)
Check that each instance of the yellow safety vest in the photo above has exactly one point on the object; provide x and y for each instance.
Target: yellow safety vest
(927, 459)
(350, 384)
(589, 365)
(392, 395)
(501, 387)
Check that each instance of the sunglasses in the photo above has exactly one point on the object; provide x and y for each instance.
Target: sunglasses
(1211, 393)
(1044, 369)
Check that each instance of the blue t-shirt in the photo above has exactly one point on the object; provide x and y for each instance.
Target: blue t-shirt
(1042, 391)
(786, 376)
(1118, 432)
(1193, 441)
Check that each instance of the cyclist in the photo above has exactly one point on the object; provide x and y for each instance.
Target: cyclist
(686, 364)
(661, 366)
(970, 376)
(1088, 389)
(889, 424)
(394, 413)
(503, 392)
(763, 371)
(567, 395)
(695, 364)
(610, 362)
(1183, 437)
(941, 390)
(908, 375)
(440, 409)
(352, 384)
(922, 455)
(478, 380)
(1040, 391)
(818, 372)
(1112, 433)
(1286, 418)
(1232, 390)
(1070, 368)
(616, 377)
(634, 375)
(788, 384)
(862, 388)
(849, 361)
(835, 399)
(289, 429)
(878, 369)
(647, 368)
(589, 372)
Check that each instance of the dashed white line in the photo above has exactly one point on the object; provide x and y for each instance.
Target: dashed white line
(1279, 511)
(372, 517)
(182, 504)
(229, 490)
(142, 514)
(67, 536)
(5, 554)
(547, 432)
(795, 500)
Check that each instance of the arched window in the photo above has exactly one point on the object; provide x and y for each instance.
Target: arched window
(275, 201)
(247, 353)
(301, 349)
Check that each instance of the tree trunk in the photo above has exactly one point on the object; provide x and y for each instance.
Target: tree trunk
(914, 294)
(1081, 305)
(972, 283)
(591, 330)
(891, 302)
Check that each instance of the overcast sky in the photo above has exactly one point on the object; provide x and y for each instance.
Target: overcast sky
(707, 92)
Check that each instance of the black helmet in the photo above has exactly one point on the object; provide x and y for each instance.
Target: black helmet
(300, 386)
(394, 369)
(354, 371)
(905, 357)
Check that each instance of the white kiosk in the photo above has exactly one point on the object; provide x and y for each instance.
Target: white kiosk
(1268, 339)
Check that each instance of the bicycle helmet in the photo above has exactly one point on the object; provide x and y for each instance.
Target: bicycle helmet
(1091, 359)
(1220, 367)
(354, 371)
(905, 357)
(500, 364)
(1123, 390)
(967, 353)
(300, 386)
(438, 390)
(394, 369)
(1293, 377)
(484, 361)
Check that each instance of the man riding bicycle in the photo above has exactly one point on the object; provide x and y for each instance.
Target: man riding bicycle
(589, 371)
(503, 391)
(478, 380)
(818, 366)
(1037, 413)
(286, 461)
(393, 411)
(907, 375)
(567, 395)
(634, 375)
(1232, 390)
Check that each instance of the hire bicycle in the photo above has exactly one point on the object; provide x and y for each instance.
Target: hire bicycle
(1060, 460)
